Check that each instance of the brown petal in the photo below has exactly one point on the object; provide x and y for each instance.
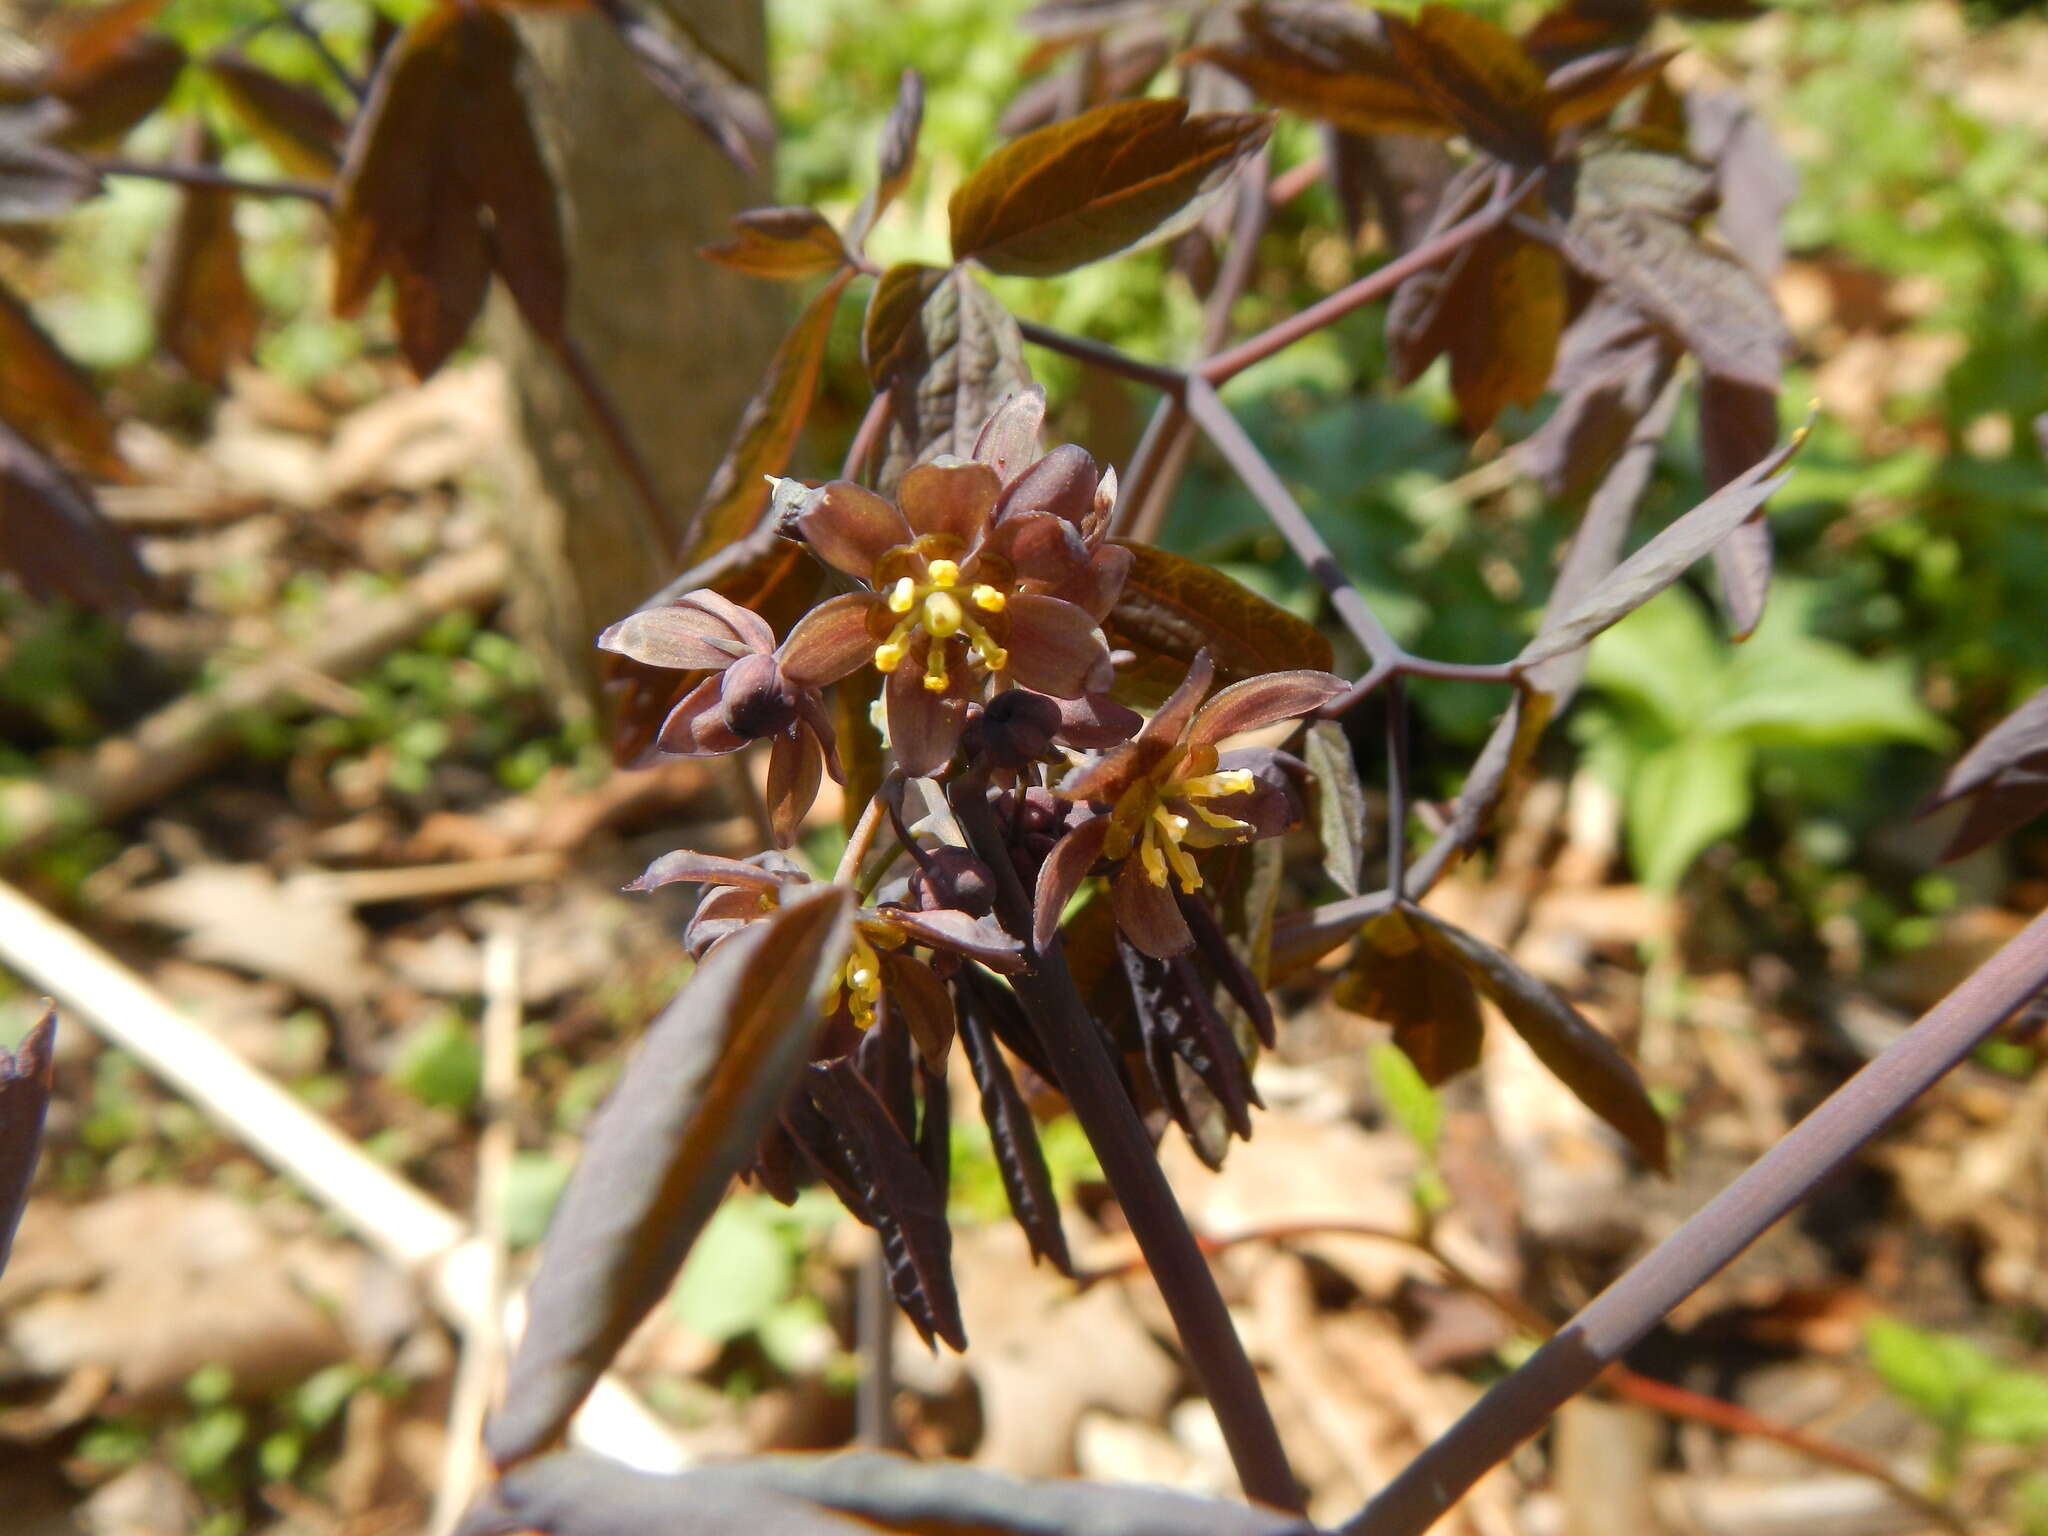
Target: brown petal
(1108, 777)
(810, 707)
(959, 933)
(687, 864)
(795, 765)
(924, 727)
(1062, 483)
(851, 527)
(1096, 586)
(693, 728)
(829, 641)
(954, 499)
(1056, 648)
(683, 637)
(1260, 701)
(1008, 442)
(1061, 875)
(1040, 547)
(1148, 915)
(1095, 722)
(749, 626)
(1170, 721)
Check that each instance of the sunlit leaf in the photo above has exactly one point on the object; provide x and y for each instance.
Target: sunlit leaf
(707, 1082)
(1424, 997)
(766, 434)
(1682, 799)
(47, 399)
(444, 181)
(1326, 59)
(780, 242)
(25, 1077)
(206, 314)
(1171, 607)
(1590, 87)
(296, 124)
(1497, 307)
(110, 83)
(1121, 176)
(1580, 1056)
(1476, 75)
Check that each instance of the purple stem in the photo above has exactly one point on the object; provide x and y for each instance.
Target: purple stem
(1619, 1316)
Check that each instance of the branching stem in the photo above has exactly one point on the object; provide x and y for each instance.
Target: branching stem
(1088, 1078)
(187, 175)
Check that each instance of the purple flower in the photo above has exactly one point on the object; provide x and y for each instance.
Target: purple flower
(748, 696)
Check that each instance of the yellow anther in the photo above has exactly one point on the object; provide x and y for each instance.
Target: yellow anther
(903, 595)
(942, 615)
(993, 656)
(988, 599)
(1153, 861)
(860, 978)
(889, 655)
(944, 573)
(935, 668)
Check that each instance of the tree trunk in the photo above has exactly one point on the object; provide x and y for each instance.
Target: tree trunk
(677, 342)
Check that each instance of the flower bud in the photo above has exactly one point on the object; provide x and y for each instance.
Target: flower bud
(954, 878)
(1016, 728)
(756, 700)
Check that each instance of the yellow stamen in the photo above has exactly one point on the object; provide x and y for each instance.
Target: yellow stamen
(1167, 831)
(988, 599)
(903, 595)
(935, 669)
(860, 978)
(945, 574)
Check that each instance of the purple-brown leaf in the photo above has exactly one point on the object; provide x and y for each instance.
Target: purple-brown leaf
(1113, 179)
(780, 242)
(1172, 607)
(1577, 1054)
(1013, 1135)
(295, 124)
(706, 1084)
(767, 433)
(1326, 59)
(25, 1078)
(54, 537)
(1661, 561)
(707, 89)
(1427, 1000)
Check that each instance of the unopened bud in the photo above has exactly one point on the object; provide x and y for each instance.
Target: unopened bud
(755, 699)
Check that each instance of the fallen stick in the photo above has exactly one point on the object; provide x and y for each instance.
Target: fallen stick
(416, 1233)
(189, 735)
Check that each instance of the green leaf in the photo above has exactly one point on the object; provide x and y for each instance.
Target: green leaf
(1932, 1373)
(1664, 658)
(740, 1271)
(1113, 179)
(440, 1063)
(2011, 1406)
(1681, 799)
(1408, 1096)
(1171, 607)
(712, 1073)
(533, 1186)
(1810, 693)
